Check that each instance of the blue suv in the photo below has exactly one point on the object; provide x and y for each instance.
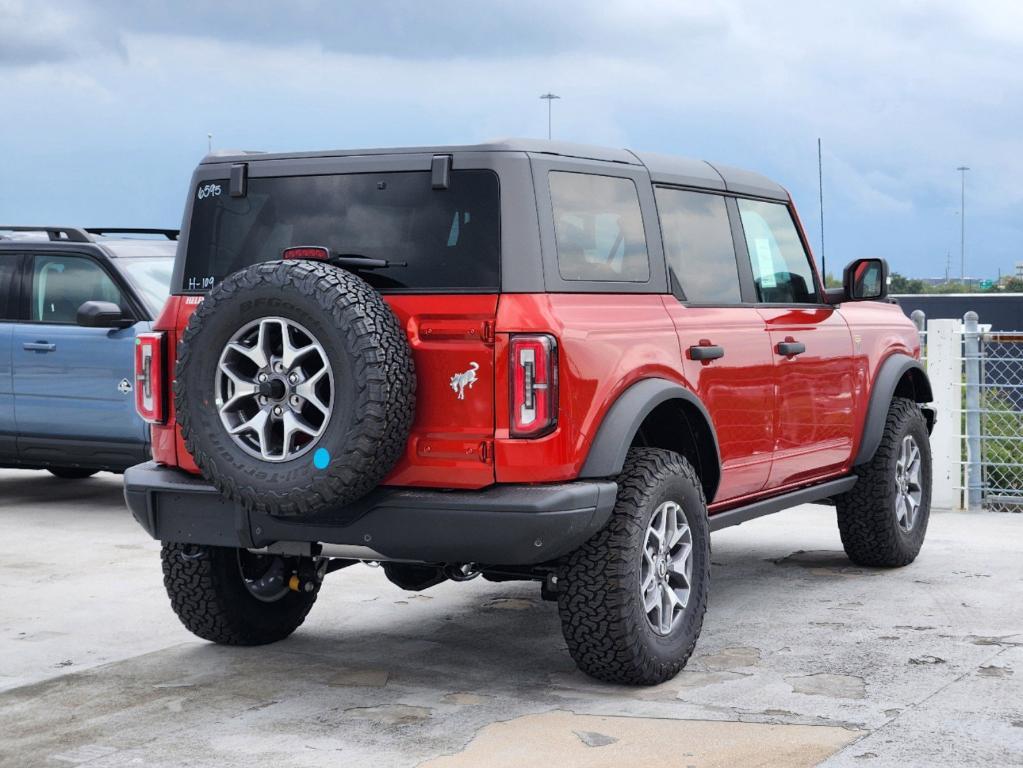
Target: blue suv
(71, 303)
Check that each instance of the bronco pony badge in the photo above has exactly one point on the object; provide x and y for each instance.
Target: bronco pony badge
(464, 379)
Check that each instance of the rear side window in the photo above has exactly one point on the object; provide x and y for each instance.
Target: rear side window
(599, 228)
(698, 244)
(435, 239)
(781, 268)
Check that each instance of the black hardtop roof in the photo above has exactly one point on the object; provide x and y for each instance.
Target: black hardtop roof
(665, 169)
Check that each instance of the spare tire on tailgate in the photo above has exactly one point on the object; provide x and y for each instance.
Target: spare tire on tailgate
(295, 389)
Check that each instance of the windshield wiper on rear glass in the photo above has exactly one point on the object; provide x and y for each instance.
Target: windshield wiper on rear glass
(358, 261)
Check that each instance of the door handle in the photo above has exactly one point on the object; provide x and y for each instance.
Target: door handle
(39, 346)
(791, 348)
(706, 352)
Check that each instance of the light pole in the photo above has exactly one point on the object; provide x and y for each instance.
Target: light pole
(962, 221)
(209, 142)
(549, 98)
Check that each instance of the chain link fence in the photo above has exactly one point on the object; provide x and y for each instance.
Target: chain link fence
(984, 407)
(999, 398)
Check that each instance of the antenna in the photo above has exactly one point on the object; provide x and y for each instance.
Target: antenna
(820, 195)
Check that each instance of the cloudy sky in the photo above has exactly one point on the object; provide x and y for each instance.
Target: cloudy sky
(106, 105)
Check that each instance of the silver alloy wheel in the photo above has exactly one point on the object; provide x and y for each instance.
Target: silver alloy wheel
(274, 389)
(666, 574)
(908, 490)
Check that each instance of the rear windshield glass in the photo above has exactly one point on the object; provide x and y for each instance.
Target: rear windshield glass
(435, 239)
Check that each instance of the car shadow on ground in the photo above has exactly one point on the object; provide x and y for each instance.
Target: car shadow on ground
(102, 492)
(501, 639)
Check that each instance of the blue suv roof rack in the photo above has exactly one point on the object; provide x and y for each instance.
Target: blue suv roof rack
(70, 234)
(170, 234)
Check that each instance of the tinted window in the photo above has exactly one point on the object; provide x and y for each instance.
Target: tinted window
(61, 284)
(599, 228)
(781, 269)
(698, 244)
(446, 239)
(8, 297)
(151, 278)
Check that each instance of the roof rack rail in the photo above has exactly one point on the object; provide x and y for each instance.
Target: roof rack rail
(71, 234)
(170, 234)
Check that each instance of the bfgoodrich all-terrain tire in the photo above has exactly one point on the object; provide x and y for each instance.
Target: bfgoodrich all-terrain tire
(209, 594)
(632, 598)
(883, 519)
(295, 389)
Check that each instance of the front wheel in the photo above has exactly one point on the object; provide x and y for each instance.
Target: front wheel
(233, 596)
(632, 598)
(883, 519)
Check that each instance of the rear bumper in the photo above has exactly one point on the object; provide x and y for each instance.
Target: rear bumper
(500, 525)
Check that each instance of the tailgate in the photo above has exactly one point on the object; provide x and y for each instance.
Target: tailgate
(452, 440)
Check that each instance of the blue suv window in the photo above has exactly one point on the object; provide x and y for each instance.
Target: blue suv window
(8, 301)
(61, 284)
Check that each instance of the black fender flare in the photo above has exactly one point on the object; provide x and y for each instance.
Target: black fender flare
(885, 383)
(623, 419)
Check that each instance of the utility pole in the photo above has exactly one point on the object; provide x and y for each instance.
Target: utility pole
(820, 192)
(549, 98)
(962, 221)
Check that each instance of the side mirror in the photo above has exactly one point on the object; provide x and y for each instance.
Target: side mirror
(101, 314)
(863, 280)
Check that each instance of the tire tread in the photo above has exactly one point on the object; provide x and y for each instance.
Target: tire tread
(196, 582)
(866, 520)
(601, 631)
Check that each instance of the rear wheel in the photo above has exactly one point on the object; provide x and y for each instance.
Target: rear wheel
(232, 596)
(72, 473)
(883, 519)
(632, 598)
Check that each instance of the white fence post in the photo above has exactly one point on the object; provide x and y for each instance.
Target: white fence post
(945, 370)
(971, 354)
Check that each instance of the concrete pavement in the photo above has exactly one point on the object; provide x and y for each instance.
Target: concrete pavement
(804, 658)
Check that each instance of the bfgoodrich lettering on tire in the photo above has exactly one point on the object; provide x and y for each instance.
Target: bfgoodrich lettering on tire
(295, 389)
(883, 519)
(632, 598)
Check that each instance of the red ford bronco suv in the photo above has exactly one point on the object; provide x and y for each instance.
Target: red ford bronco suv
(527, 360)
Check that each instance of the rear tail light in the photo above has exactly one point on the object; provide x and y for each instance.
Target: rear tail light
(534, 385)
(150, 391)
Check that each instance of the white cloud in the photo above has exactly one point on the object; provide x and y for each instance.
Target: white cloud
(901, 92)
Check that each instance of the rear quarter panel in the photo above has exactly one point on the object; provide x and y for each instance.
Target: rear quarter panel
(606, 343)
